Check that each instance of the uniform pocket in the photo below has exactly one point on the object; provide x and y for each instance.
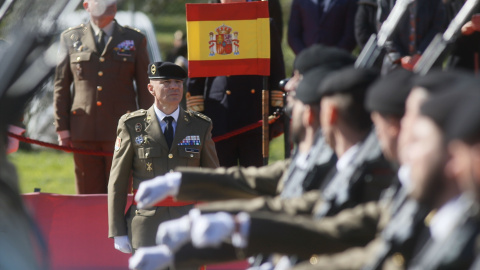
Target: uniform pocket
(78, 63)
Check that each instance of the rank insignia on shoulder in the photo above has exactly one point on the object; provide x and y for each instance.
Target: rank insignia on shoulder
(191, 140)
(138, 127)
(149, 166)
(118, 142)
(139, 139)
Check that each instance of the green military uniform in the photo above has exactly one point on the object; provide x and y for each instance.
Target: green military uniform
(103, 91)
(141, 148)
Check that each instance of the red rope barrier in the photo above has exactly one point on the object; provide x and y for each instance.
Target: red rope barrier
(101, 153)
(58, 147)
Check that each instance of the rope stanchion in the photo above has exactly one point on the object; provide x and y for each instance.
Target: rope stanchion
(102, 153)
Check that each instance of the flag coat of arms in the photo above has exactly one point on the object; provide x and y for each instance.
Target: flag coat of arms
(228, 39)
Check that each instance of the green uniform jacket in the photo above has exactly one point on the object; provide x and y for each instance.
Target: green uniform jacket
(142, 149)
(231, 183)
(103, 82)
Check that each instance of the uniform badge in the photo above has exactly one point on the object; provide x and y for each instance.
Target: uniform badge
(149, 166)
(125, 48)
(138, 127)
(118, 142)
(139, 139)
(223, 42)
(191, 140)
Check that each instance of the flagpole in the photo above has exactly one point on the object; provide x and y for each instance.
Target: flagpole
(265, 113)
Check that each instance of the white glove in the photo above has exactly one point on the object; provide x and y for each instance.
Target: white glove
(210, 230)
(175, 233)
(122, 243)
(151, 258)
(152, 191)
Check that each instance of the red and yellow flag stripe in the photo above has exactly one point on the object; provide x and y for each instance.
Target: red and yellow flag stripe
(249, 21)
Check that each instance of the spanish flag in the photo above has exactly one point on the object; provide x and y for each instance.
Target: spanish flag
(228, 39)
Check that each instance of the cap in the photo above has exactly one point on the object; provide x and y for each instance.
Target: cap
(440, 106)
(166, 70)
(320, 55)
(348, 80)
(307, 90)
(388, 94)
(438, 80)
(464, 123)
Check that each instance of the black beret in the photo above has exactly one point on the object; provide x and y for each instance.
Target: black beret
(166, 70)
(438, 80)
(307, 88)
(388, 94)
(464, 124)
(348, 80)
(440, 106)
(320, 55)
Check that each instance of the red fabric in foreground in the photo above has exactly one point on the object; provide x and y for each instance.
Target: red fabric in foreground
(76, 229)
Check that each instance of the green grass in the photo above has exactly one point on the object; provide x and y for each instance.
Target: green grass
(53, 171)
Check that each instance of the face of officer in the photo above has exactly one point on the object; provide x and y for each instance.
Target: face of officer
(412, 109)
(387, 129)
(167, 92)
(297, 129)
(290, 89)
(102, 12)
(464, 166)
(426, 157)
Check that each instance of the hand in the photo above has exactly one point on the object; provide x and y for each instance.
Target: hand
(408, 62)
(13, 144)
(65, 142)
(210, 230)
(122, 243)
(175, 233)
(468, 28)
(151, 258)
(152, 191)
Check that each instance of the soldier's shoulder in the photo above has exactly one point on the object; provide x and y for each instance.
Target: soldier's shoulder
(133, 31)
(199, 116)
(133, 115)
(75, 29)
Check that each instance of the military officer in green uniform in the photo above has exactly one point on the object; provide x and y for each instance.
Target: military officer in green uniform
(103, 61)
(150, 143)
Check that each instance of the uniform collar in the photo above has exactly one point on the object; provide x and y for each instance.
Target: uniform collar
(108, 30)
(161, 115)
(345, 160)
(447, 218)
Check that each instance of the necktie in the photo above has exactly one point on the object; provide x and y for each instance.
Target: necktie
(413, 28)
(169, 130)
(101, 41)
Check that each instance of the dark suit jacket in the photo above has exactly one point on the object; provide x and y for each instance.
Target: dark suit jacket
(309, 25)
(431, 20)
(103, 82)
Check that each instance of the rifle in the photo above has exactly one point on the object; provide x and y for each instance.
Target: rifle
(437, 49)
(376, 43)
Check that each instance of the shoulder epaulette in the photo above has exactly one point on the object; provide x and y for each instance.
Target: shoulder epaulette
(78, 27)
(134, 114)
(133, 28)
(200, 115)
